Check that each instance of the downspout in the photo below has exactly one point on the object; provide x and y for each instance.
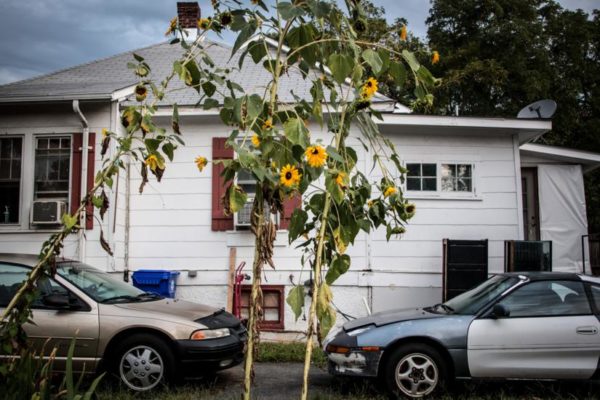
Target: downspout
(84, 172)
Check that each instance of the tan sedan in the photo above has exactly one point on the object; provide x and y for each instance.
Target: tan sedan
(141, 337)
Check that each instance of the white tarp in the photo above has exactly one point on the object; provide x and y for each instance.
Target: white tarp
(562, 213)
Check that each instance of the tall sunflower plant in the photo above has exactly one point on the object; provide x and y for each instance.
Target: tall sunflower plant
(276, 142)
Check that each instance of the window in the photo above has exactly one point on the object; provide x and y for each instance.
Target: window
(52, 166)
(596, 297)
(421, 177)
(272, 306)
(246, 181)
(457, 177)
(11, 278)
(548, 298)
(10, 179)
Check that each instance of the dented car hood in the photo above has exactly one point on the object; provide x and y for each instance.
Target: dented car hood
(392, 316)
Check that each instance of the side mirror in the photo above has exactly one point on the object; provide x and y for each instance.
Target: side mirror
(57, 301)
(500, 311)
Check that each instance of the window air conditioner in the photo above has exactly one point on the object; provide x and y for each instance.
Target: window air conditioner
(48, 212)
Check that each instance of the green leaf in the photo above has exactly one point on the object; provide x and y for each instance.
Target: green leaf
(296, 300)
(152, 144)
(288, 10)
(237, 198)
(341, 66)
(209, 88)
(412, 61)
(138, 58)
(69, 221)
(245, 34)
(210, 103)
(303, 35)
(334, 155)
(398, 73)
(254, 106)
(168, 149)
(334, 189)
(338, 267)
(374, 61)
(299, 218)
(325, 312)
(257, 50)
(425, 76)
(296, 132)
(385, 59)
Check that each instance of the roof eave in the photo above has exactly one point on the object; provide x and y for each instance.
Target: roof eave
(588, 160)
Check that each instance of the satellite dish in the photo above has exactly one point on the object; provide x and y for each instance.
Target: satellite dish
(541, 109)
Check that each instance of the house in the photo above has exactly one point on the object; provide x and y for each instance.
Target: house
(470, 178)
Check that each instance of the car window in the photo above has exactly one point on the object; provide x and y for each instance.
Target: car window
(11, 278)
(548, 298)
(471, 302)
(596, 296)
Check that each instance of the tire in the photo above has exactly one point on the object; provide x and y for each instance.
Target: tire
(415, 371)
(143, 361)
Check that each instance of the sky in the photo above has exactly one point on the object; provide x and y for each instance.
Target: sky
(41, 36)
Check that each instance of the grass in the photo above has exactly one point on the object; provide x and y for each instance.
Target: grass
(289, 352)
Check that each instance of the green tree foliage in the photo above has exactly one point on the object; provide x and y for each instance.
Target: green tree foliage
(498, 56)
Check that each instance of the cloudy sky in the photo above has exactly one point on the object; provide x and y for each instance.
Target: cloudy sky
(41, 36)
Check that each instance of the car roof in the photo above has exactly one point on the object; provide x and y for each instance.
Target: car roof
(546, 276)
(29, 260)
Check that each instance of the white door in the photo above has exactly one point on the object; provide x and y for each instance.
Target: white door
(551, 333)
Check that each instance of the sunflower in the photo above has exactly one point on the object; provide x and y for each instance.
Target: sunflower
(226, 18)
(370, 203)
(255, 140)
(152, 162)
(204, 23)
(389, 191)
(105, 132)
(268, 124)
(403, 33)
(340, 178)
(435, 57)
(201, 162)
(140, 92)
(316, 156)
(289, 176)
(172, 26)
(410, 208)
(369, 88)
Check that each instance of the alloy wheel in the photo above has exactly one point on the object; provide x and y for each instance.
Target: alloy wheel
(141, 368)
(416, 375)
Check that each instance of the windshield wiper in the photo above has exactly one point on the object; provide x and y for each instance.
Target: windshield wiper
(123, 297)
(149, 295)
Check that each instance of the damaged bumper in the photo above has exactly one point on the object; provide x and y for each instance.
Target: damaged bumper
(346, 358)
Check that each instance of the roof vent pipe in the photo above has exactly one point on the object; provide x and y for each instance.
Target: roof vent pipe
(84, 173)
(188, 14)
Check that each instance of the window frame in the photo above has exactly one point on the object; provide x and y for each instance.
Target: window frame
(38, 136)
(595, 305)
(267, 326)
(20, 218)
(519, 287)
(474, 194)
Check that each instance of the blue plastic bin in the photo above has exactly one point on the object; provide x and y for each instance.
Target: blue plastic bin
(156, 281)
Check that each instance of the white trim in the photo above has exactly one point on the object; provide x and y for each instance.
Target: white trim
(588, 159)
(519, 187)
(122, 94)
(468, 122)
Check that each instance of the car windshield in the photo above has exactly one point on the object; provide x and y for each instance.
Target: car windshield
(471, 302)
(101, 286)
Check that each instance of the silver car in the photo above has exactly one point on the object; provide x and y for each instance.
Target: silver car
(512, 326)
(143, 338)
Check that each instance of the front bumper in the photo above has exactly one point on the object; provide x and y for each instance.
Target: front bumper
(355, 362)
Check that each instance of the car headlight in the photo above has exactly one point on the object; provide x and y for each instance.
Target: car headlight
(358, 331)
(205, 334)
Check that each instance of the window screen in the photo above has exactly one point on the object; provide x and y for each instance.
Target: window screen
(52, 166)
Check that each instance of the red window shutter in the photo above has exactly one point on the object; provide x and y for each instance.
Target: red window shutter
(220, 221)
(289, 205)
(76, 176)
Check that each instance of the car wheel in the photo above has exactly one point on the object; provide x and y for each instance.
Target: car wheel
(414, 371)
(143, 362)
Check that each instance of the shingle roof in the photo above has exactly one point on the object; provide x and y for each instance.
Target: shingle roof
(100, 78)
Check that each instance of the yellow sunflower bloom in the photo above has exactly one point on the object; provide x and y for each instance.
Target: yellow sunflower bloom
(370, 203)
(369, 88)
(316, 156)
(289, 176)
(204, 23)
(201, 162)
(152, 162)
(268, 124)
(105, 132)
(403, 33)
(172, 26)
(255, 140)
(389, 191)
(340, 178)
(435, 57)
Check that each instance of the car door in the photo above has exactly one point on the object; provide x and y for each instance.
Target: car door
(550, 333)
(55, 327)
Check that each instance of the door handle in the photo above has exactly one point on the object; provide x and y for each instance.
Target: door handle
(587, 330)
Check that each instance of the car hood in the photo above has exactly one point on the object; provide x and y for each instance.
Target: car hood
(391, 316)
(171, 308)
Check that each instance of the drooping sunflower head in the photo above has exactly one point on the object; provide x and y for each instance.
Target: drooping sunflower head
(204, 23)
(140, 92)
(268, 124)
(316, 156)
(172, 26)
(255, 140)
(152, 162)
(289, 176)
(410, 208)
(435, 57)
(226, 18)
(369, 88)
(389, 191)
(201, 162)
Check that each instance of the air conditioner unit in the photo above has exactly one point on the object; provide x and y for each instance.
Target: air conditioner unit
(48, 212)
(243, 218)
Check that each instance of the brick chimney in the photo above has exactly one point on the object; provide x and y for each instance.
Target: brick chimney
(188, 13)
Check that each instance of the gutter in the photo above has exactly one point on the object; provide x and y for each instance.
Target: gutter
(84, 172)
